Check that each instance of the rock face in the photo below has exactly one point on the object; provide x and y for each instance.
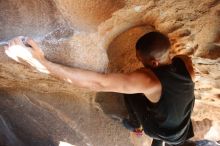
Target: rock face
(37, 109)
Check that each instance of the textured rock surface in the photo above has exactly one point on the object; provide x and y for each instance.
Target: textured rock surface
(37, 109)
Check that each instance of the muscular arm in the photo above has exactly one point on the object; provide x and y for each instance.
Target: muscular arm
(140, 81)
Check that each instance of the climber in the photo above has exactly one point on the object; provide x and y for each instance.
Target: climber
(159, 97)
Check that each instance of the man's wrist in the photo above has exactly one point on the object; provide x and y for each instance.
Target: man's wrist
(46, 63)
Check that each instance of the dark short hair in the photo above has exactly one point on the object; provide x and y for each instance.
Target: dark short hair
(151, 43)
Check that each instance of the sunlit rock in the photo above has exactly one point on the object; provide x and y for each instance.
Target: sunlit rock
(38, 109)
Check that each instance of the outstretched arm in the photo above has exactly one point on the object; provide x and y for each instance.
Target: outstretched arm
(135, 82)
(140, 81)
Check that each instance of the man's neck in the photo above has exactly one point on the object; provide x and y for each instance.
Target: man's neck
(166, 61)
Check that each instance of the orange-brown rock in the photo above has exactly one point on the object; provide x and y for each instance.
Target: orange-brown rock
(37, 109)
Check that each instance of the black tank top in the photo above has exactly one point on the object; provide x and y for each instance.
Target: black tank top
(169, 119)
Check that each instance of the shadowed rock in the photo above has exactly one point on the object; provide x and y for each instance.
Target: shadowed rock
(37, 109)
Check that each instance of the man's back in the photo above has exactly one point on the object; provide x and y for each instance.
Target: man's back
(177, 101)
(169, 118)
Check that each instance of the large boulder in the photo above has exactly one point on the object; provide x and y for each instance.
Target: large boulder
(38, 109)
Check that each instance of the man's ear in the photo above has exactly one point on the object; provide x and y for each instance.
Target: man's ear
(154, 63)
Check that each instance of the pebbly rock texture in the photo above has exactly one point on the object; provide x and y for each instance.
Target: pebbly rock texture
(87, 15)
(37, 109)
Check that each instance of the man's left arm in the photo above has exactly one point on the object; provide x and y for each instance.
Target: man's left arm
(140, 81)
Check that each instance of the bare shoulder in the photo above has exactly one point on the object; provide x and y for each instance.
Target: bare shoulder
(142, 81)
(188, 63)
(152, 86)
(146, 73)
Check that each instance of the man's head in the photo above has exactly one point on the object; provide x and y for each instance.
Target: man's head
(152, 49)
